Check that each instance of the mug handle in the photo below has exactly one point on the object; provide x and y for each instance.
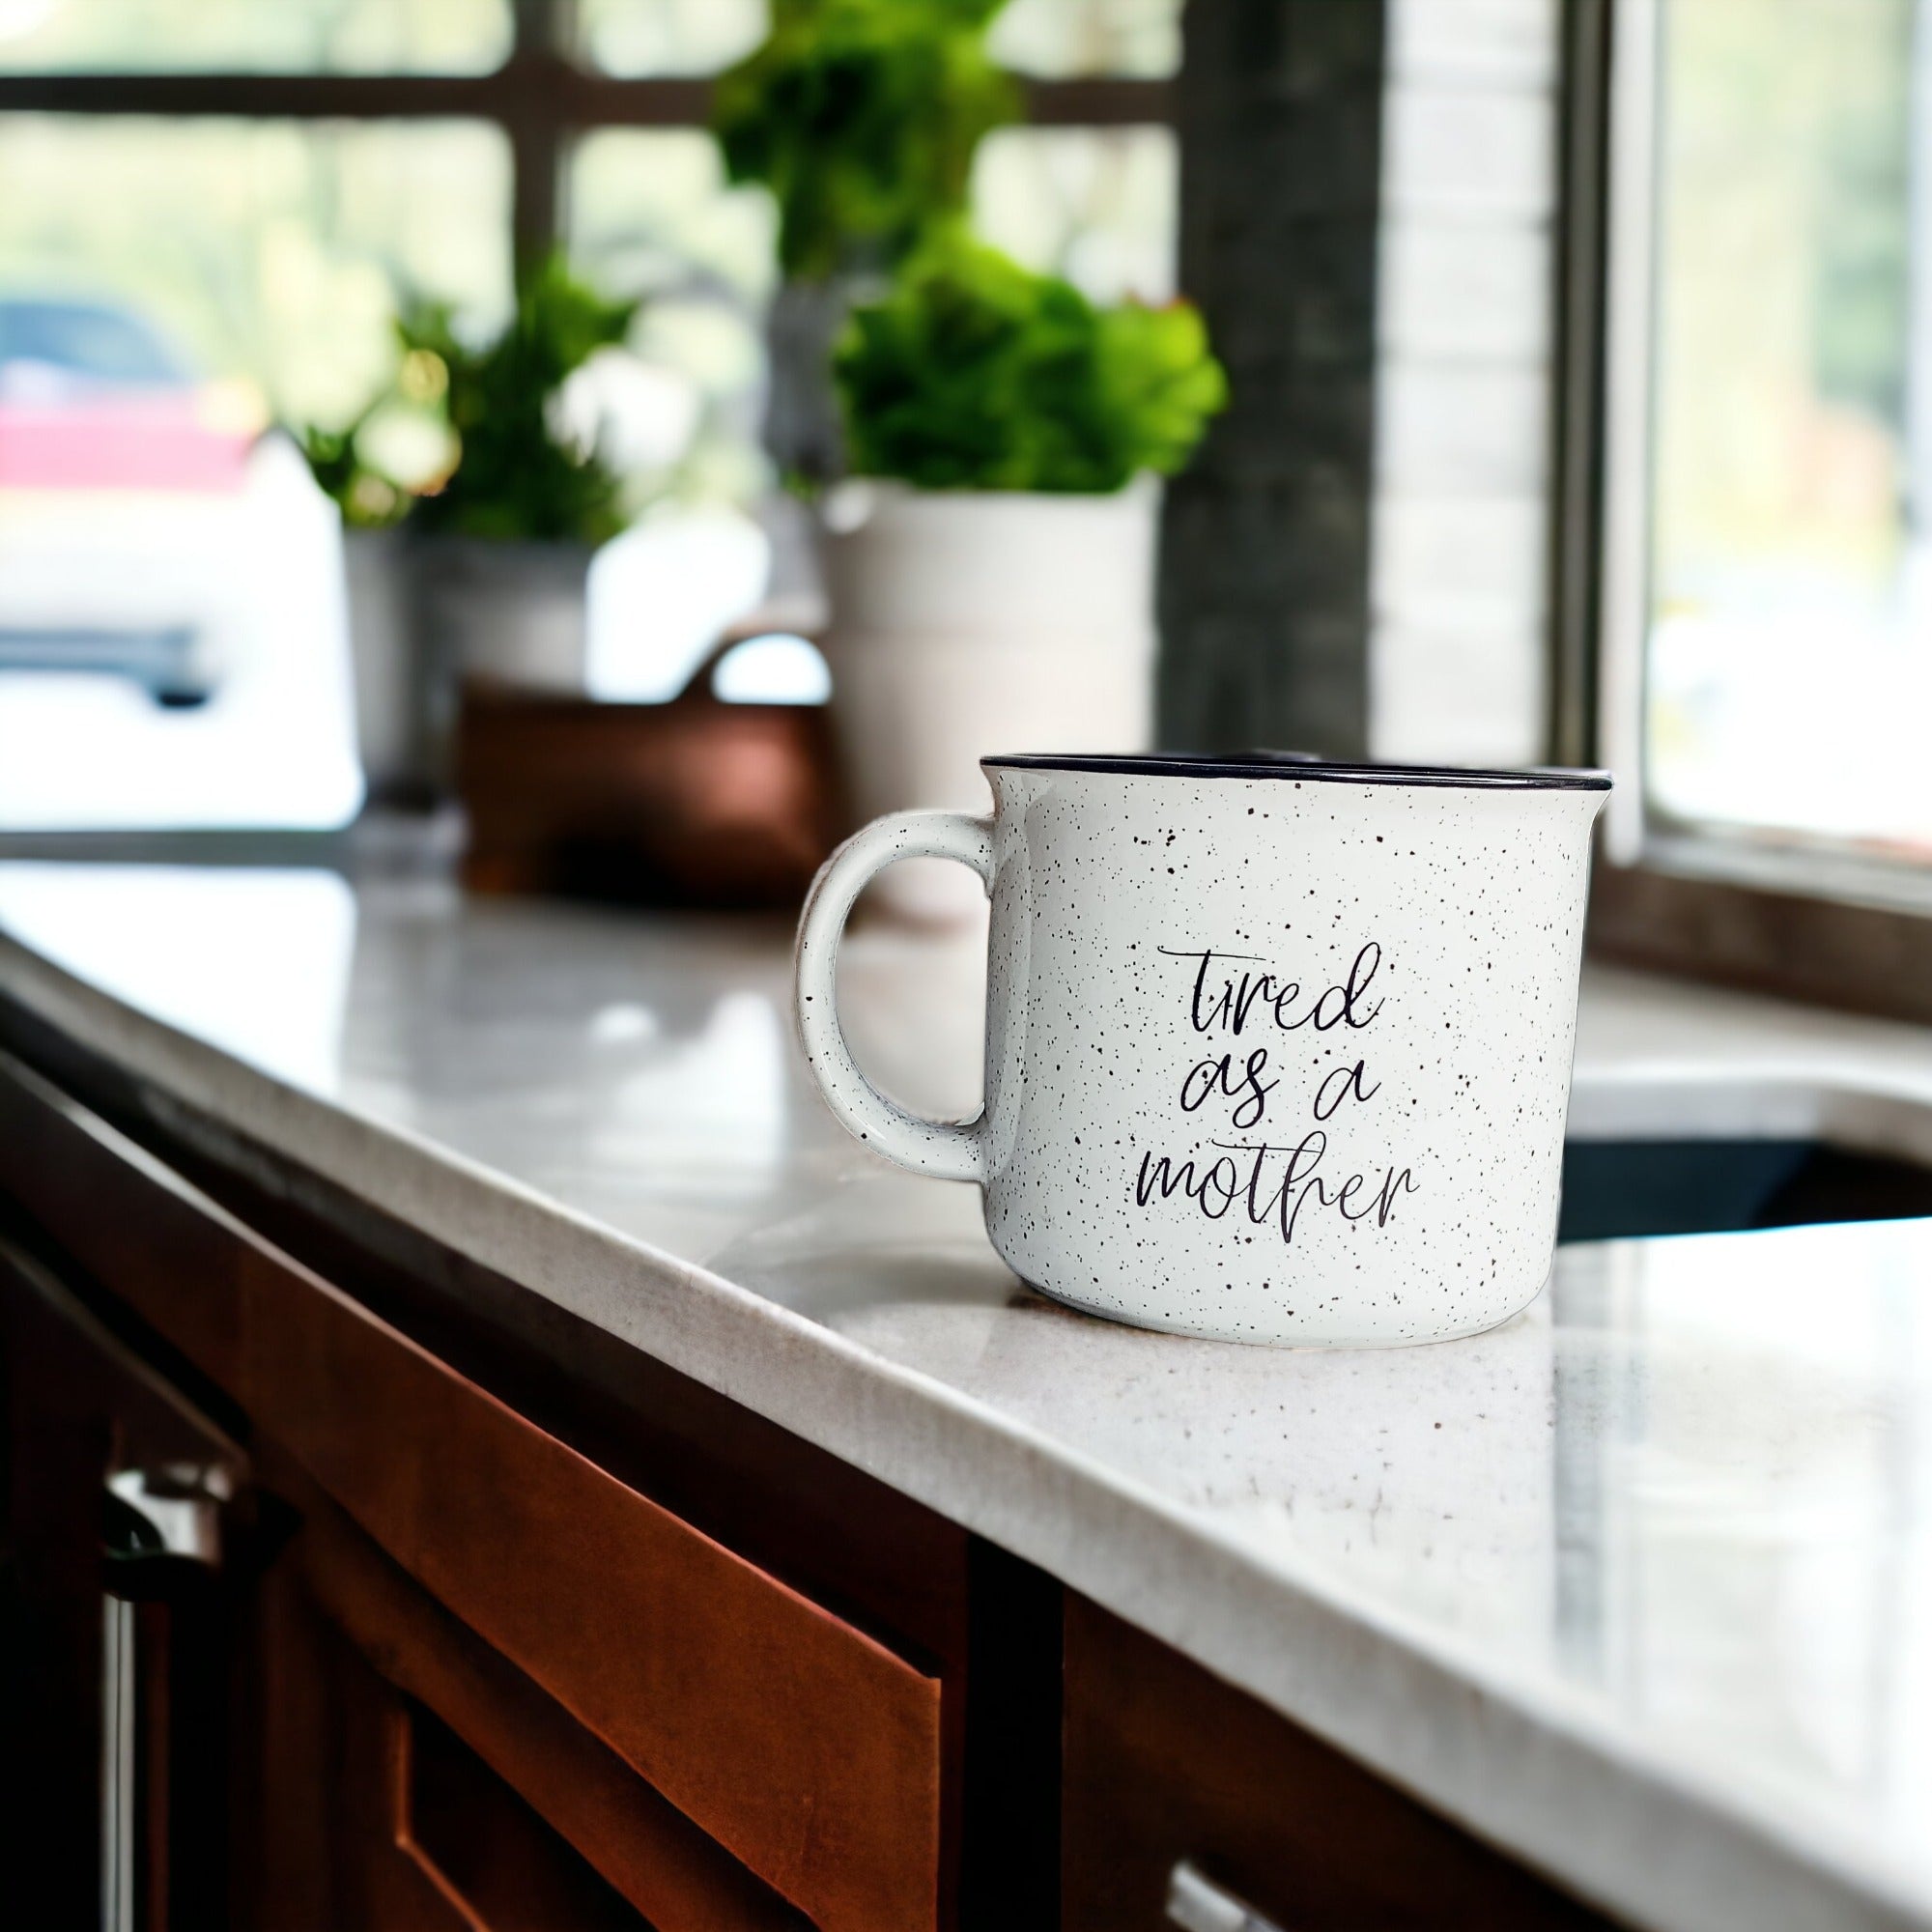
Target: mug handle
(947, 1150)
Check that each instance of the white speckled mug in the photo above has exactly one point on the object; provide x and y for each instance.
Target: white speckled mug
(1276, 1051)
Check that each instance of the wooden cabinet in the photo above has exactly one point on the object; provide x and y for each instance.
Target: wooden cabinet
(405, 1775)
(114, 1632)
(450, 1609)
(350, 1585)
(1188, 1803)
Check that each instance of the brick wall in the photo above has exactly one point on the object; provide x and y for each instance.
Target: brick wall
(1458, 508)
(1355, 562)
(1264, 553)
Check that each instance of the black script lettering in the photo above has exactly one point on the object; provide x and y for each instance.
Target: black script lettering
(1230, 1010)
(1296, 1182)
(1392, 1185)
(1233, 1006)
(1350, 1079)
(1222, 1180)
(1350, 992)
(1250, 1091)
(1282, 1178)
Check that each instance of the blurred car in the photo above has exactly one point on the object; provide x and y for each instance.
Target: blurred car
(121, 472)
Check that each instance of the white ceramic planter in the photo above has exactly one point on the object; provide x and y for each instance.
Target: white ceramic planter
(972, 622)
(513, 612)
(392, 697)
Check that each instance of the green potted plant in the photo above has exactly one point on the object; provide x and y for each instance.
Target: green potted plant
(510, 531)
(475, 491)
(862, 118)
(991, 562)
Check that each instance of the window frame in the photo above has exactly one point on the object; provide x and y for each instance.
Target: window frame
(542, 99)
(539, 96)
(1810, 921)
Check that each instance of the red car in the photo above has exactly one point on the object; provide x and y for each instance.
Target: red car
(104, 430)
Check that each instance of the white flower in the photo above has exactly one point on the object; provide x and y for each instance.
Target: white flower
(414, 450)
(636, 414)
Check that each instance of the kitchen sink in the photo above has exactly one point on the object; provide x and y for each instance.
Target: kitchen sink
(1617, 1189)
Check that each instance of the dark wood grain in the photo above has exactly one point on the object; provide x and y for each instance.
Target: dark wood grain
(868, 1552)
(486, 1849)
(324, 1843)
(647, 1851)
(1165, 1762)
(808, 1749)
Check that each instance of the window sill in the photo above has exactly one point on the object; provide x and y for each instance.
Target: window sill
(1825, 930)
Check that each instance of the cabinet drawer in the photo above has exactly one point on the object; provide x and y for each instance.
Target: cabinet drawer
(1169, 1771)
(458, 1793)
(806, 1748)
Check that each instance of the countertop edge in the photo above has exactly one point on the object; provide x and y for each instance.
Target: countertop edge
(1552, 1784)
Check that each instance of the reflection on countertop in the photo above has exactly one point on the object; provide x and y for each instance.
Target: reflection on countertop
(1679, 1512)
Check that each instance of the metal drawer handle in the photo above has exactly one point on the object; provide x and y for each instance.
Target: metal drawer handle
(156, 1518)
(160, 1543)
(1197, 1904)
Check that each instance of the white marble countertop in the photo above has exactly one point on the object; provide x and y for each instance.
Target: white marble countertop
(1639, 1587)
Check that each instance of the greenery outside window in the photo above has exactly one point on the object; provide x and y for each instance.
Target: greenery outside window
(255, 138)
(1748, 432)
(1767, 646)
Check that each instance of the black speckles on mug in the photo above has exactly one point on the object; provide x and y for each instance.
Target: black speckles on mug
(1267, 1061)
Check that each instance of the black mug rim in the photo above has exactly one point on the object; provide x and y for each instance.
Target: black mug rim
(1296, 766)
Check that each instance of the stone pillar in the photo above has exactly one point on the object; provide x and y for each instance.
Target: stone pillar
(1264, 551)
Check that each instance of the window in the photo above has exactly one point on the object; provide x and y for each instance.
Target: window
(651, 213)
(234, 195)
(1065, 38)
(244, 35)
(1766, 613)
(271, 251)
(1095, 205)
(170, 614)
(666, 36)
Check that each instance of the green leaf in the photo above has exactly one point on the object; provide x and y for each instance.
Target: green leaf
(973, 373)
(513, 480)
(862, 117)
